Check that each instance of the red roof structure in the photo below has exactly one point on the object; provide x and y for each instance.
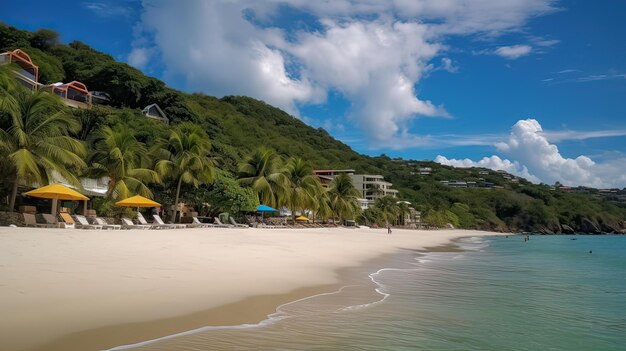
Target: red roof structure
(29, 71)
(74, 93)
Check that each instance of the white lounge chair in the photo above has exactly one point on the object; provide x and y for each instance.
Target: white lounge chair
(219, 223)
(160, 222)
(142, 220)
(233, 222)
(83, 223)
(128, 224)
(195, 223)
(105, 225)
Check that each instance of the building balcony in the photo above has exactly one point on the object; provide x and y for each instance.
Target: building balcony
(27, 72)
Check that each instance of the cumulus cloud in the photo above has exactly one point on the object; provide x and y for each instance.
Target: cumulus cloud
(534, 155)
(513, 52)
(373, 53)
(493, 162)
(139, 57)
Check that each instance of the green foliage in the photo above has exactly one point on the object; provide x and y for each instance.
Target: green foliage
(90, 120)
(50, 68)
(44, 39)
(303, 187)
(464, 215)
(184, 157)
(343, 198)
(117, 154)
(36, 138)
(123, 83)
(12, 38)
(262, 171)
(225, 195)
(389, 209)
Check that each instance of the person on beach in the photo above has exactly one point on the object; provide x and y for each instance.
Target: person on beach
(388, 229)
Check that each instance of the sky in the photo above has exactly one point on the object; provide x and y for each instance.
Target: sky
(533, 87)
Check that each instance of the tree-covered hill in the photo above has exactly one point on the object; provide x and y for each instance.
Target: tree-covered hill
(238, 125)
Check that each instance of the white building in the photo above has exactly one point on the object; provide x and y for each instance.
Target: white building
(370, 186)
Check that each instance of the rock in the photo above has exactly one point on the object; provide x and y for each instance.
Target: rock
(587, 226)
(607, 228)
(8, 218)
(544, 230)
(566, 229)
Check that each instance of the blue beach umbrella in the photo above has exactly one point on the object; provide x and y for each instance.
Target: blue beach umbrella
(263, 208)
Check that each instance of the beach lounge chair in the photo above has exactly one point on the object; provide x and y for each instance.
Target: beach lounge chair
(219, 223)
(31, 221)
(67, 220)
(195, 223)
(51, 220)
(83, 223)
(233, 222)
(142, 220)
(105, 225)
(128, 224)
(159, 221)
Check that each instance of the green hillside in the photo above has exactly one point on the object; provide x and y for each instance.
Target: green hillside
(238, 125)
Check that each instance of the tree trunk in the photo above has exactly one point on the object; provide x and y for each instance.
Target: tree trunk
(180, 182)
(13, 196)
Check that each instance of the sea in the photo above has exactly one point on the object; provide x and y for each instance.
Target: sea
(491, 293)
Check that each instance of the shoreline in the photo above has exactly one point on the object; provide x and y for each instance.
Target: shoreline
(252, 307)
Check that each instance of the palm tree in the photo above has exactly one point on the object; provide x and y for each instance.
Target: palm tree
(303, 185)
(323, 208)
(403, 211)
(388, 207)
(262, 172)
(119, 156)
(36, 138)
(186, 158)
(344, 197)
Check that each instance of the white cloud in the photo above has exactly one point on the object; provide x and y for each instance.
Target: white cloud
(448, 65)
(371, 52)
(108, 10)
(556, 136)
(532, 151)
(493, 162)
(513, 52)
(139, 57)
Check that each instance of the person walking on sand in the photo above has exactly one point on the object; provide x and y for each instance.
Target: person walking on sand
(388, 229)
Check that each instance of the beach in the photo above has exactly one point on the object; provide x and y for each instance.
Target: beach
(66, 289)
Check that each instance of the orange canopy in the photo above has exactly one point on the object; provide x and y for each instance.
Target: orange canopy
(56, 191)
(137, 201)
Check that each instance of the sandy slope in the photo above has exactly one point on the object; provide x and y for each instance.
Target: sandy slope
(55, 282)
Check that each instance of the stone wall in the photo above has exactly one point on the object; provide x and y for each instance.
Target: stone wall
(8, 218)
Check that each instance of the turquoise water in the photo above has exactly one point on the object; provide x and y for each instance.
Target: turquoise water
(549, 293)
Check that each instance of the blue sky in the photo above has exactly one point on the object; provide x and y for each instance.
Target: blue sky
(420, 80)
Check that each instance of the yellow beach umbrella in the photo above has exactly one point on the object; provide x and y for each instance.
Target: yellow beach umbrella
(56, 192)
(302, 218)
(137, 201)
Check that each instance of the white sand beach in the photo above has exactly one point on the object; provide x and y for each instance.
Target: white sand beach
(56, 282)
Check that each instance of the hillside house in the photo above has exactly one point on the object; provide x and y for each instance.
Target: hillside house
(74, 94)
(154, 111)
(27, 73)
